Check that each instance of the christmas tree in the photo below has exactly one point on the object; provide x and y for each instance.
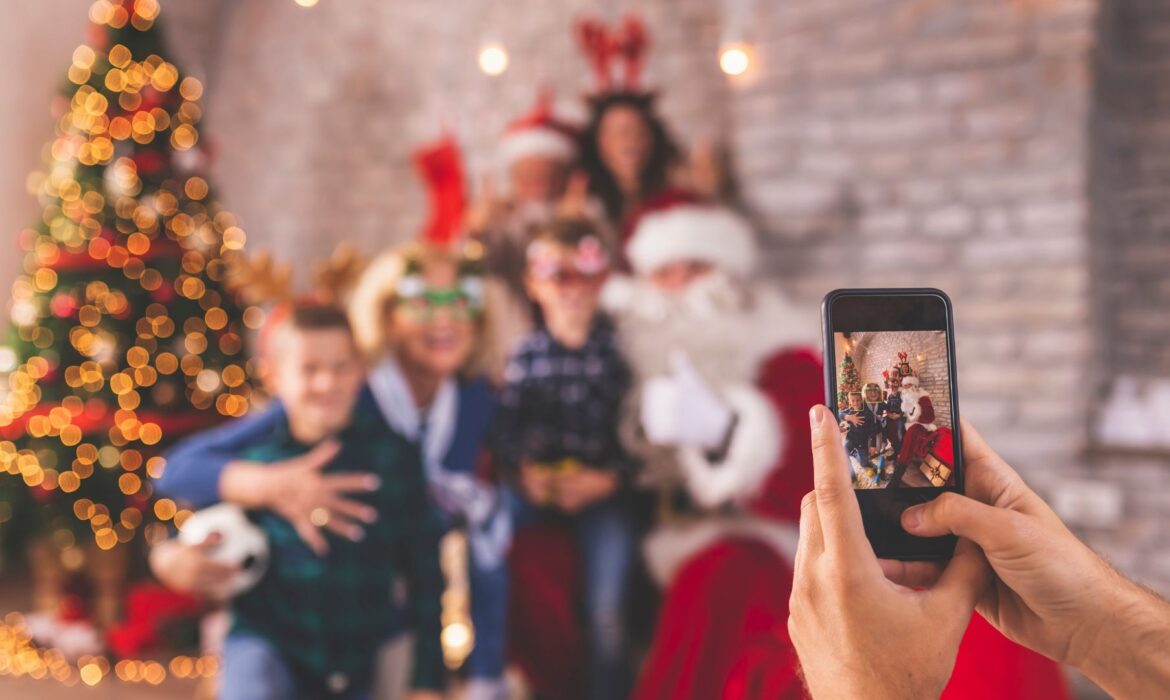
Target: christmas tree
(847, 380)
(123, 334)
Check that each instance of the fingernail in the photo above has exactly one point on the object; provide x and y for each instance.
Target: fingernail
(815, 417)
(373, 482)
(912, 518)
(357, 534)
(370, 516)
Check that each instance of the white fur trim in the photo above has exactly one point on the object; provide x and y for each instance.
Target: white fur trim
(693, 232)
(754, 451)
(668, 548)
(537, 141)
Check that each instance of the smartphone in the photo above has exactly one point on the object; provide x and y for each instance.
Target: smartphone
(890, 380)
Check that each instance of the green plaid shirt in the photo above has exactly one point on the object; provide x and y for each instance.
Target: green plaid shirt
(328, 616)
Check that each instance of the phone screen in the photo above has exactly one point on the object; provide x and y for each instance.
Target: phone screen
(890, 381)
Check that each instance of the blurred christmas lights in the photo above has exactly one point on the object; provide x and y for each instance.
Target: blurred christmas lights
(493, 59)
(734, 59)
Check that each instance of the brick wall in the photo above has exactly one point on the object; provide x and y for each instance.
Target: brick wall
(1131, 194)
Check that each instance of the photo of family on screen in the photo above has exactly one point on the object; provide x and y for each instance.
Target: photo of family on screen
(894, 408)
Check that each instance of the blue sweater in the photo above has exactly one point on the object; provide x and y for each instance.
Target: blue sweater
(195, 464)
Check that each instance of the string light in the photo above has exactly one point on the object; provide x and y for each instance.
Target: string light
(21, 657)
(734, 59)
(493, 59)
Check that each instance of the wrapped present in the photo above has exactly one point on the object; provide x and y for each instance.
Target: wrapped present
(939, 463)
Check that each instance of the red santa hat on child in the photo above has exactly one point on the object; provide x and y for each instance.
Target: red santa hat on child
(539, 133)
(679, 225)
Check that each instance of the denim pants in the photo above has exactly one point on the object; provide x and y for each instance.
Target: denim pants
(253, 669)
(606, 539)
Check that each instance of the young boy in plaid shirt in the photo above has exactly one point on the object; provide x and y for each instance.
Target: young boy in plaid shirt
(557, 431)
(312, 626)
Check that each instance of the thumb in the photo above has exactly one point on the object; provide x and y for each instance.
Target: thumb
(579, 184)
(210, 542)
(953, 514)
(316, 458)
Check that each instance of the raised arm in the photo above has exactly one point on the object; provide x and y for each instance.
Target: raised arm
(195, 464)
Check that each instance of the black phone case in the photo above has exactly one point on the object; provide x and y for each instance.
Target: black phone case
(881, 509)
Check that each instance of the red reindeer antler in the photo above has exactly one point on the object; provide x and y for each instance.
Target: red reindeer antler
(631, 44)
(595, 42)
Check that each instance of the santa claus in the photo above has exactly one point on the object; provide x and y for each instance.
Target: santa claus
(725, 373)
(920, 425)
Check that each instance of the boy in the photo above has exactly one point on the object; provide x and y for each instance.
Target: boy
(557, 429)
(859, 426)
(312, 626)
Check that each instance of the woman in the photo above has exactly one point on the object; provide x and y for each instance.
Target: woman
(418, 314)
(626, 152)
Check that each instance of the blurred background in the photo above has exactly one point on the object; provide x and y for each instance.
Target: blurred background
(1014, 153)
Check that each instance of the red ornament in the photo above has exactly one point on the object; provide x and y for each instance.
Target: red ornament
(62, 305)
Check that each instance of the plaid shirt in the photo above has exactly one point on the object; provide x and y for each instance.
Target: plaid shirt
(560, 402)
(328, 616)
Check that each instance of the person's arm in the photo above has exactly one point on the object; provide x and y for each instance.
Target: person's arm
(845, 615)
(194, 465)
(507, 428)
(1052, 594)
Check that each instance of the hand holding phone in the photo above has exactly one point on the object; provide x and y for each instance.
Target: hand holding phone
(857, 633)
(890, 383)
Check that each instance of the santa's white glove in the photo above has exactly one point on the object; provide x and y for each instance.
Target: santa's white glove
(681, 409)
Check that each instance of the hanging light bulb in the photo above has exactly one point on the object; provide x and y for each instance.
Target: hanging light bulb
(493, 59)
(306, 3)
(734, 59)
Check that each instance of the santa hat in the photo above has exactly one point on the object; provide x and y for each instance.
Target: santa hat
(441, 168)
(539, 133)
(678, 225)
(911, 380)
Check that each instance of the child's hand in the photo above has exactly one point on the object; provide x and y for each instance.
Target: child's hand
(189, 568)
(577, 489)
(537, 483)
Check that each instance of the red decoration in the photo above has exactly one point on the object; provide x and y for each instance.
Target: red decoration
(62, 305)
(601, 45)
(441, 168)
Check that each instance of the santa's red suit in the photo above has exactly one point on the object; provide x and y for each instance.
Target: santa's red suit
(920, 425)
(725, 565)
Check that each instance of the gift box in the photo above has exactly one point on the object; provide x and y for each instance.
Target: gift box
(939, 463)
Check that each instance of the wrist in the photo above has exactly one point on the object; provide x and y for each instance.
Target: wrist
(249, 484)
(1126, 654)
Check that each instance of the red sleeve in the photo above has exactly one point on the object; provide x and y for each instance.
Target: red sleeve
(927, 415)
(794, 381)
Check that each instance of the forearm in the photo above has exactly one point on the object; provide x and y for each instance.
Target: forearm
(1128, 656)
(249, 484)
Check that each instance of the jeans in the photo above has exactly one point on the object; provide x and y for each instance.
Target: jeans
(606, 538)
(255, 670)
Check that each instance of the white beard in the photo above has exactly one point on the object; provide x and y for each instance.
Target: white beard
(910, 399)
(726, 327)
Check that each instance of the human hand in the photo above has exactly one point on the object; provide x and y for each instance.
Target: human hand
(189, 568)
(578, 489)
(845, 616)
(297, 490)
(1050, 588)
(425, 695)
(536, 483)
(575, 202)
(854, 420)
(485, 210)
(682, 409)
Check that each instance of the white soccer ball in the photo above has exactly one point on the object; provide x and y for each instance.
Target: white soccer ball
(241, 543)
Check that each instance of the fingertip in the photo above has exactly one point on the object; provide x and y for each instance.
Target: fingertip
(912, 518)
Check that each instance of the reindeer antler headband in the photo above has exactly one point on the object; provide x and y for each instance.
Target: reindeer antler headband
(603, 47)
